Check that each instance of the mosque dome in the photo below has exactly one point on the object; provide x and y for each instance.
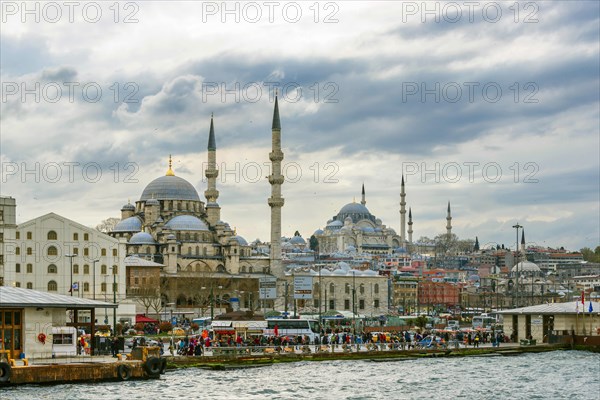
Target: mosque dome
(335, 225)
(142, 238)
(128, 207)
(152, 202)
(318, 232)
(186, 223)
(169, 187)
(241, 241)
(297, 240)
(131, 224)
(355, 211)
(526, 266)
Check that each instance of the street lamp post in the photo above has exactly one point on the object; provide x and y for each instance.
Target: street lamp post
(94, 277)
(517, 226)
(114, 299)
(71, 259)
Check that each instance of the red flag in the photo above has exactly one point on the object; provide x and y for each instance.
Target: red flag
(582, 297)
(276, 330)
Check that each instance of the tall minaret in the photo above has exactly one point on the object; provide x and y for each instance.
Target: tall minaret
(449, 221)
(410, 223)
(523, 242)
(402, 213)
(363, 201)
(276, 201)
(213, 211)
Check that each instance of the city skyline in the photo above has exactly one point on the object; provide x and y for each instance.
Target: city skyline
(382, 94)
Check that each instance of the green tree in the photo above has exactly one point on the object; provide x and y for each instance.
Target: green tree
(313, 243)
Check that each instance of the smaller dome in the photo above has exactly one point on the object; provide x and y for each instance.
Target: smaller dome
(297, 240)
(348, 220)
(378, 222)
(131, 224)
(128, 207)
(318, 232)
(186, 223)
(367, 229)
(152, 202)
(171, 237)
(526, 266)
(212, 204)
(334, 225)
(142, 238)
(241, 241)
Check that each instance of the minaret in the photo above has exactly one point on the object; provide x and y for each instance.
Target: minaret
(363, 201)
(402, 213)
(410, 223)
(449, 221)
(213, 211)
(276, 201)
(523, 242)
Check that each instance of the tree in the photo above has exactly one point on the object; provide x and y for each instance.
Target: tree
(297, 234)
(476, 246)
(108, 225)
(589, 255)
(314, 243)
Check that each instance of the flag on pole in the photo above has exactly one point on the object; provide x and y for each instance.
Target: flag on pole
(577, 307)
(591, 308)
(76, 286)
(583, 297)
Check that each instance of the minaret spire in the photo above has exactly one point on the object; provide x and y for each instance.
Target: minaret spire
(213, 210)
(402, 213)
(410, 224)
(449, 221)
(363, 201)
(276, 179)
(170, 170)
(523, 241)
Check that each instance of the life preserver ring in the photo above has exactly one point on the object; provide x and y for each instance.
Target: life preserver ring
(123, 372)
(4, 372)
(152, 366)
(41, 338)
(163, 365)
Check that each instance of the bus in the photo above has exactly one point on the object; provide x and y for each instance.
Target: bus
(292, 328)
(484, 321)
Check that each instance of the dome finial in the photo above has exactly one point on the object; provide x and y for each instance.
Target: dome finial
(170, 170)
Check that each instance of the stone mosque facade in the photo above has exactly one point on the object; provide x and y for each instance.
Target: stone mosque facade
(204, 260)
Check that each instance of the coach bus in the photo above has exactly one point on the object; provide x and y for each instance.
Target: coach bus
(292, 328)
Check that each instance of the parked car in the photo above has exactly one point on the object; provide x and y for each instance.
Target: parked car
(141, 341)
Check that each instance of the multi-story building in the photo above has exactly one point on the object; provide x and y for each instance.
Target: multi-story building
(8, 227)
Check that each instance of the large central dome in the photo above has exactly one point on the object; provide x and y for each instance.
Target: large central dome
(356, 212)
(170, 187)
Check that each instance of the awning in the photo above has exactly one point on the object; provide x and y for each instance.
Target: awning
(141, 318)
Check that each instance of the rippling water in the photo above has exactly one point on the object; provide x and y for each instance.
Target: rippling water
(553, 375)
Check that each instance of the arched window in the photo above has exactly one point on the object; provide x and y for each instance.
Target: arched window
(362, 289)
(52, 235)
(18, 251)
(52, 286)
(52, 269)
(189, 251)
(86, 236)
(30, 268)
(86, 269)
(29, 251)
(221, 268)
(103, 252)
(29, 285)
(75, 268)
(76, 236)
(115, 269)
(103, 269)
(197, 250)
(331, 288)
(243, 269)
(376, 288)
(148, 250)
(115, 254)
(86, 287)
(347, 288)
(103, 287)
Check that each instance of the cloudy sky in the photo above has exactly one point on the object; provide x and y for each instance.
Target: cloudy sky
(493, 106)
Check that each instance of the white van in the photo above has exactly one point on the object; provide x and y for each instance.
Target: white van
(453, 324)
